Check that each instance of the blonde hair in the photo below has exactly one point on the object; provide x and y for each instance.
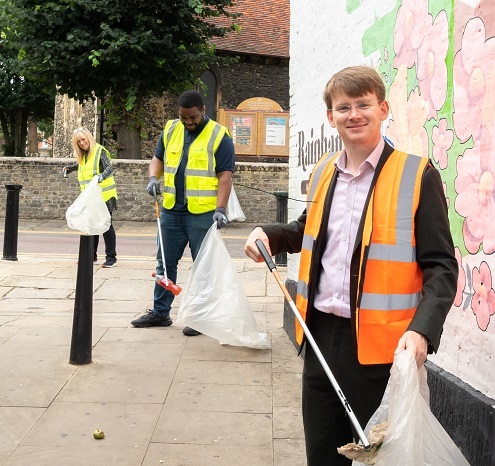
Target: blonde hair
(76, 135)
(354, 81)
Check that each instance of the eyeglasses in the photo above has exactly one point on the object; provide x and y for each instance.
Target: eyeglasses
(360, 107)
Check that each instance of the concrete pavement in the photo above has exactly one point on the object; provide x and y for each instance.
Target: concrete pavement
(160, 397)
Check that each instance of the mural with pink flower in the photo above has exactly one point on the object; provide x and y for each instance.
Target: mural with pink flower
(483, 302)
(440, 71)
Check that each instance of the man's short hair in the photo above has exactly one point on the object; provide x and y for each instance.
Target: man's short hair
(354, 81)
(190, 99)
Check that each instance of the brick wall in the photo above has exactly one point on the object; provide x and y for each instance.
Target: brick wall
(45, 194)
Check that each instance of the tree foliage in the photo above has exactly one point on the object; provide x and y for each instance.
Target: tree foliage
(122, 50)
(20, 97)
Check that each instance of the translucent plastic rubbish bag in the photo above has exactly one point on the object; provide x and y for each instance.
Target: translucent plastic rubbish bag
(234, 210)
(414, 437)
(89, 213)
(214, 302)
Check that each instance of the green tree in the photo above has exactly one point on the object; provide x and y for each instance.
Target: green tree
(20, 97)
(121, 50)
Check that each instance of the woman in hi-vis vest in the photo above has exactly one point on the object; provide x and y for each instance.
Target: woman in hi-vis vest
(93, 159)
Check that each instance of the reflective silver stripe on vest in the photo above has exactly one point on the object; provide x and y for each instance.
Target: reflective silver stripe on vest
(307, 242)
(108, 188)
(167, 169)
(202, 173)
(169, 189)
(392, 252)
(97, 159)
(201, 192)
(390, 302)
(302, 289)
(404, 251)
(169, 133)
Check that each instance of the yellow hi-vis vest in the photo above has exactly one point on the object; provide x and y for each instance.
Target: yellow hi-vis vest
(90, 167)
(390, 280)
(201, 178)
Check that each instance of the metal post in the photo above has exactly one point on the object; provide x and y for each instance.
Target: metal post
(81, 344)
(11, 222)
(281, 259)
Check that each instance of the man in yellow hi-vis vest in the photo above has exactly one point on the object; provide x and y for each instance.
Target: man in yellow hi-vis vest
(378, 273)
(196, 157)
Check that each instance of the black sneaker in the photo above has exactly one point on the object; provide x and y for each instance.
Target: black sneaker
(109, 264)
(190, 332)
(151, 320)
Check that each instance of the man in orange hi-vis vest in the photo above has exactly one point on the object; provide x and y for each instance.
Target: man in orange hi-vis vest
(377, 267)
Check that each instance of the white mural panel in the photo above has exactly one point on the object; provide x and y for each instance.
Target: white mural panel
(437, 59)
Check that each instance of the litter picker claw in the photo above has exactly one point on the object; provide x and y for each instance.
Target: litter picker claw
(163, 280)
(357, 427)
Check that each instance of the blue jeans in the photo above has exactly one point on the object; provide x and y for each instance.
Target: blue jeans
(177, 231)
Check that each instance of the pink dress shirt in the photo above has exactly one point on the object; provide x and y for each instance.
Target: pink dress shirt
(333, 292)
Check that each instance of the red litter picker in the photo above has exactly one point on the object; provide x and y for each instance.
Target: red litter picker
(163, 280)
(359, 431)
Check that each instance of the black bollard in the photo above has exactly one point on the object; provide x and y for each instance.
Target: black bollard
(80, 349)
(281, 259)
(11, 222)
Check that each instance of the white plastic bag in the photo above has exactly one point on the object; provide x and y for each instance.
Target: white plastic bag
(89, 213)
(234, 210)
(214, 302)
(414, 437)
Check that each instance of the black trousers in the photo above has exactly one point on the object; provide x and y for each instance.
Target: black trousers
(110, 239)
(326, 424)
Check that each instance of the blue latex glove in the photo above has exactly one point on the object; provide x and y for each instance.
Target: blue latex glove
(220, 216)
(153, 183)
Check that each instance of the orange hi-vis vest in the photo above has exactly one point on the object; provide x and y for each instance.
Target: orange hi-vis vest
(390, 280)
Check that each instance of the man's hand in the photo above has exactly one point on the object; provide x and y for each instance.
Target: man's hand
(100, 178)
(220, 216)
(416, 343)
(250, 248)
(153, 186)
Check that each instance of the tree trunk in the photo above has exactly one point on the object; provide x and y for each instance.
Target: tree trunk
(33, 137)
(128, 140)
(19, 151)
(8, 146)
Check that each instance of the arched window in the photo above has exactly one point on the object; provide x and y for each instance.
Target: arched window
(210, 94)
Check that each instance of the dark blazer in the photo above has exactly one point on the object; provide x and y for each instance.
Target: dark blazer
(434, 253)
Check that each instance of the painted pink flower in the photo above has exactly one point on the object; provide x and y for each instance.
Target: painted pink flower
(408, 116)
(442, 141)
(461, 279)
(410, 29)
(483, 302)
(475, 185)
(431, 66)
(473, 72)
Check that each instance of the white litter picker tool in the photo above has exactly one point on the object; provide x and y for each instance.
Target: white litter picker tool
(273, 269)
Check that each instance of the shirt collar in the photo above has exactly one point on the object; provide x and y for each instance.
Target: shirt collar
(372, 159)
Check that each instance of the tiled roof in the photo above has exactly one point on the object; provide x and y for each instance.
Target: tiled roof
(264, 28)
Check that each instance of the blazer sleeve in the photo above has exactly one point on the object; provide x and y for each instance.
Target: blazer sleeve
(286, 237)
(436, 258)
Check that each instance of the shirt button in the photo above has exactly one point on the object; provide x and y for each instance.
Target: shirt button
(338, 296)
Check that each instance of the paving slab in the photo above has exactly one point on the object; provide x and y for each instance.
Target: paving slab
(207, 455)
(220, 398)
(213, 428)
